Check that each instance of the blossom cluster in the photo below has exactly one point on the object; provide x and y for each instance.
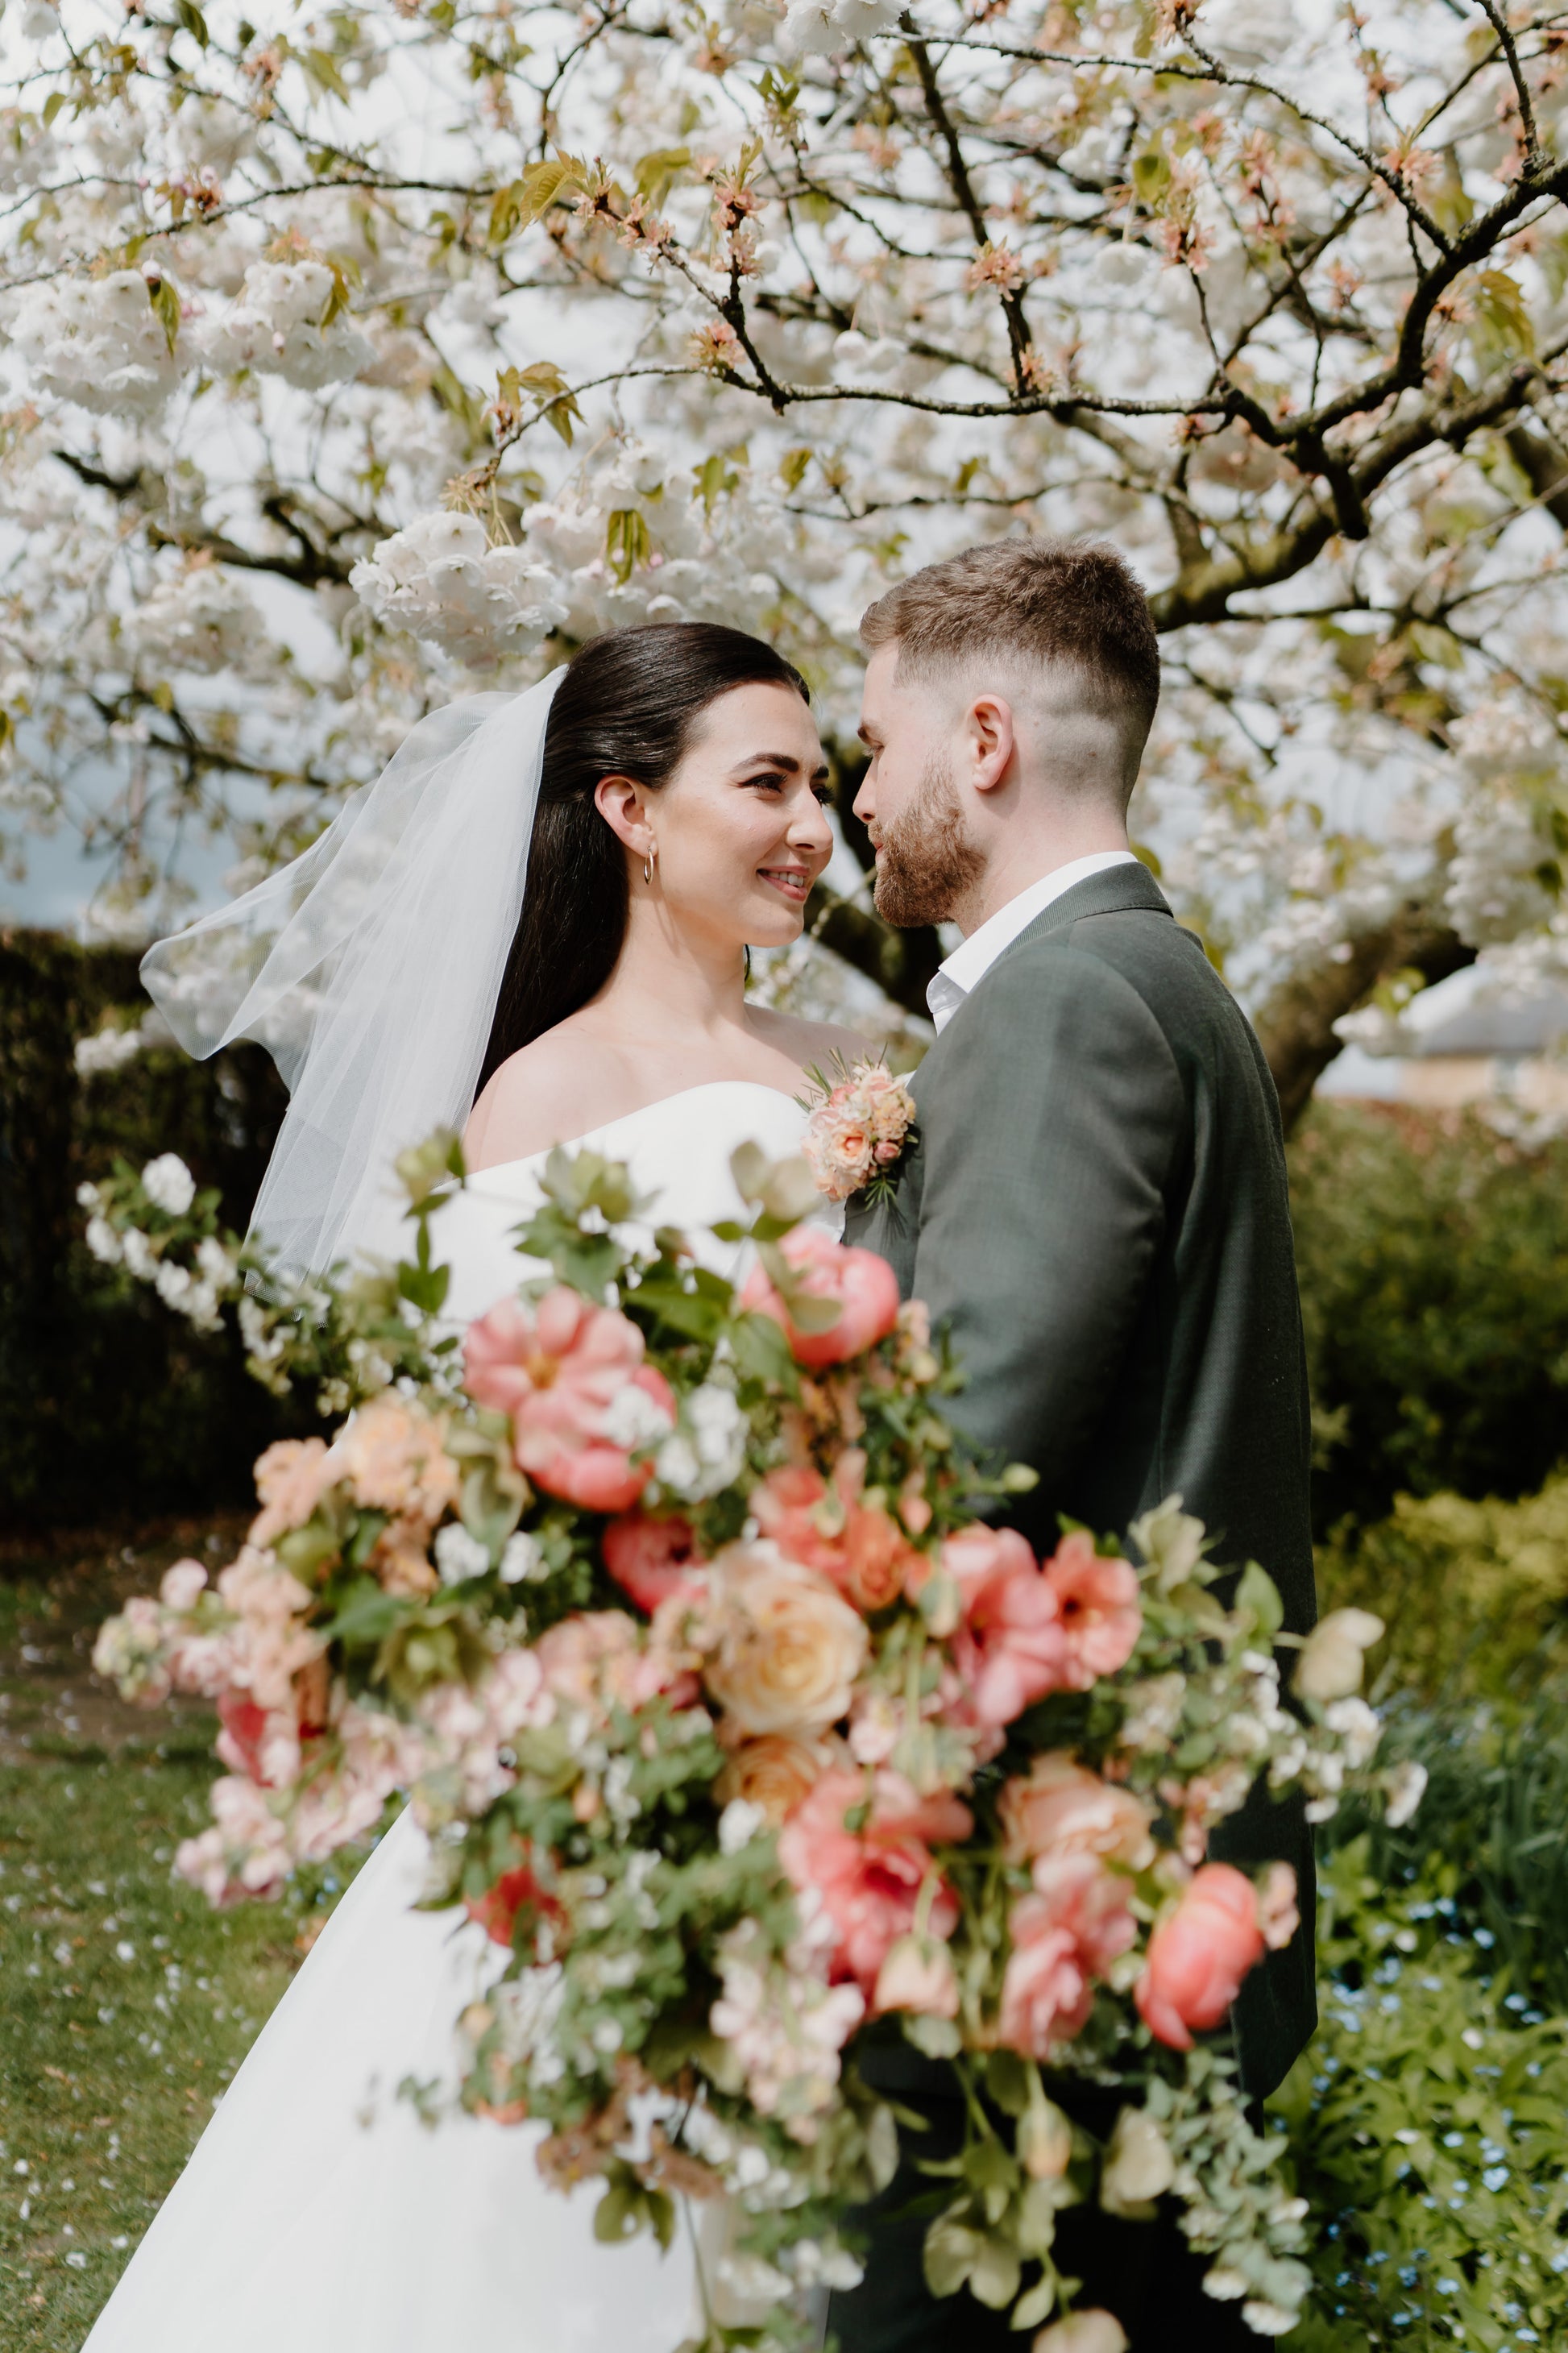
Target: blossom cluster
(442, 581)
(670, 1613)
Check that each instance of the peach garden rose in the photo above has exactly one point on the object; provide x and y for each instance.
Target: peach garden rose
(786, 1648)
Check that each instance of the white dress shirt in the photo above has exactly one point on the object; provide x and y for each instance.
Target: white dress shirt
(969, 964)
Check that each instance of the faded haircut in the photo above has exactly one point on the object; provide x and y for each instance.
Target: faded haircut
(1021, 601)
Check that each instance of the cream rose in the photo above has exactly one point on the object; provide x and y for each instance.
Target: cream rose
(776, 1772)
(786, 1649)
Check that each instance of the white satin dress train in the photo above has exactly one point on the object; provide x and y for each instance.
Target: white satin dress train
(318, 2214)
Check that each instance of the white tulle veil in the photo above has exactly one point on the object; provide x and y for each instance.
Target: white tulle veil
(370, 969)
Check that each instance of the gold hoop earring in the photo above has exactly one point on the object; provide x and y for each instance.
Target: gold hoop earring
(648, 866)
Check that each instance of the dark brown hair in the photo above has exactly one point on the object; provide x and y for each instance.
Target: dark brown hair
(626, 707)
(1073, 601)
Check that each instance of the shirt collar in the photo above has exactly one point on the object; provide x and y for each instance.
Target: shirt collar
(969, 962)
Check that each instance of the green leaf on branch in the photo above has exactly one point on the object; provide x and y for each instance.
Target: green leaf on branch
(165, 303)
(322, 69)
(659, 171)
(194, 23)
(1502, 328)
(626, 542)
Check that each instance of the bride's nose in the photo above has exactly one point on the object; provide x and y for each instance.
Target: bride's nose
(809, 828)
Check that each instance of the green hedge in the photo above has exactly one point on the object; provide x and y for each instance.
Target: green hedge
(110, 1407)
(1434, 1265)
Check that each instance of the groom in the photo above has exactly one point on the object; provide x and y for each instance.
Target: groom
(1097, 1212)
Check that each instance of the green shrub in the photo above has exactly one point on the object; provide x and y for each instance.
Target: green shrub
(110, 1407)
(1434, 1264)
(1475, 1595)
(1429, 2133)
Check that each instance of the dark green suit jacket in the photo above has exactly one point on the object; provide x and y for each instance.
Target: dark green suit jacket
(1097, 1211)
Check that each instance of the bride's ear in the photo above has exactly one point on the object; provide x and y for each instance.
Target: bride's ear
(620, 803)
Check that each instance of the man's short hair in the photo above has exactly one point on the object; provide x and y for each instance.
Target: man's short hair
(1024, 600)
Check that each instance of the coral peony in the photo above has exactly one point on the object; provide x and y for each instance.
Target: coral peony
(864, 1286)
(582, 1402)
(870, 1881)
(787, 1647)
(1100, 1614)
(517, 1893)
(653, 1559)
(1198, 1955)
(1064, 1935)
(1062, 1808)
(858, 1545)
(1010, 1649)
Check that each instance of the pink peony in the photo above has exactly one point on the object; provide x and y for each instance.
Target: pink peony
(870, 1881)
(1011, 1649)
(1062, 1808)
(653, 1559)
(864, 1285)
(1064, 1937)
(1198, 1955)
(859, 1545)
(1101, 1613)
(580, 1399)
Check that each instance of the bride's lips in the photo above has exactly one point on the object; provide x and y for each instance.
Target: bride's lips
(792, 882)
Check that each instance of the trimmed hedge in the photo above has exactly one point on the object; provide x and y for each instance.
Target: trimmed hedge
(110, 1407)
(1434, 1265)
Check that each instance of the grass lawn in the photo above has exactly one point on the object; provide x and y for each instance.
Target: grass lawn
(127, 2003)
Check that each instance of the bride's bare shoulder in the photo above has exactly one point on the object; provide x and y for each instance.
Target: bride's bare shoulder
(810, 1045)
(537, 1098)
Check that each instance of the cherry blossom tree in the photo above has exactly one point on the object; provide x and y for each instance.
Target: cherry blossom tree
(359, 359)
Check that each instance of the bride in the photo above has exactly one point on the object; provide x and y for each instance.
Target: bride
(545, 903)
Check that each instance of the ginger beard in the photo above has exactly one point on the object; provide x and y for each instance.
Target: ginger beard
(927, 862)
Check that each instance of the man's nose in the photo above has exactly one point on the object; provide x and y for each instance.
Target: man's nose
(865, 801)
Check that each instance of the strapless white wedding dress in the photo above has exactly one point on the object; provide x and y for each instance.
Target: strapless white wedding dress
(318, 2214)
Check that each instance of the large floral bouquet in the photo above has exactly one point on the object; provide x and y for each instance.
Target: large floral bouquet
(670, 1608)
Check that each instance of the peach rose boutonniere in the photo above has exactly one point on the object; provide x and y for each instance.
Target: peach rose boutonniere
(861, 1125)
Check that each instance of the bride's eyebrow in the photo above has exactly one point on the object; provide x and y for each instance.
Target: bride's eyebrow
(778, 760)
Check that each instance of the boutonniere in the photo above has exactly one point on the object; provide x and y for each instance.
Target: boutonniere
(861, 1126)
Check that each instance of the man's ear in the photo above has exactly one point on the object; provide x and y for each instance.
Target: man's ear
(991, 741)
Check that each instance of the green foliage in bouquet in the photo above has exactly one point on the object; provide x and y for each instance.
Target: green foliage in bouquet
(1428, 2130)
(734, 1729)
(1476, 1594)
(1434, 1267)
